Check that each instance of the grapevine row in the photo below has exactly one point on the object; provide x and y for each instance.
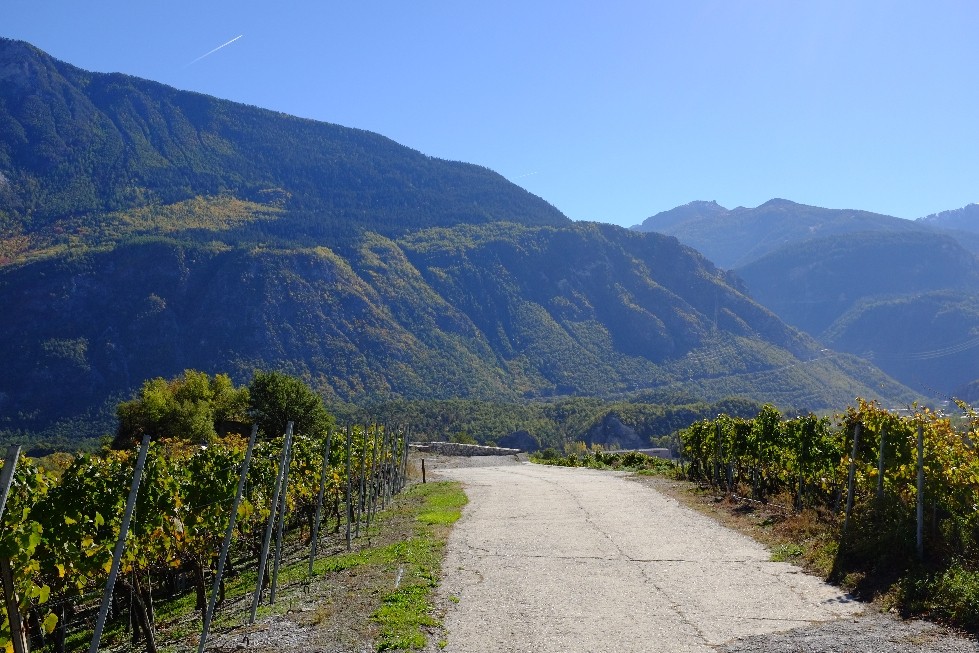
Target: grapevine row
(866, 462)
(59, 533)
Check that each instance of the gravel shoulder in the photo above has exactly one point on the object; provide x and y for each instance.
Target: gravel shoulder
(561, 559)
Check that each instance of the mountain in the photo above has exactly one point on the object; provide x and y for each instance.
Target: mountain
(75, 144)
(907, 301)
(929, 340)
(856, 281)
(498, 311)
(810, 284)
(694, 212)
(964, 219)
(732, 238)
(968, 393)
(146, 230)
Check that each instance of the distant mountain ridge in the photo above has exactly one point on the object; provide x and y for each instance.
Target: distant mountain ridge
(732, 238)
(899, 292)
(685, 214)
(965, 219)
(145, 230)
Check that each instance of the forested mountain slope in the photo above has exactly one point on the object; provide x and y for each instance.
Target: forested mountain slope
(905, 300)
(964, 219)
(494, 311)
(929, 340)
(811, 284)
(75, 144)
(146, 230)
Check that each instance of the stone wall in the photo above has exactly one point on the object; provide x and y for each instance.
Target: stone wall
(456, 449)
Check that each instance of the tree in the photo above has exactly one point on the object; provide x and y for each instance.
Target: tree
(276, 399)
(186, 407)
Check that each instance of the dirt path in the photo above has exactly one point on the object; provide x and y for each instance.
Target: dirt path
(559, 559)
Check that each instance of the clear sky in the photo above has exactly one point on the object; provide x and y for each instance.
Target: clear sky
(611, 111)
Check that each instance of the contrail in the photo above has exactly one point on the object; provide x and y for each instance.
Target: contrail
(207, 54)
(526, 175)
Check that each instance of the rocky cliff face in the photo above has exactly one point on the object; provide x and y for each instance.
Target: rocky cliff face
(611, 433)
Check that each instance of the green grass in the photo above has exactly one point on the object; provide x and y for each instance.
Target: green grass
(786, 552)
(402, 616)
(405, 615)
(950, 594)
(442, 508)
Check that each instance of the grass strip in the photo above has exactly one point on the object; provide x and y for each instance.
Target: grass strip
(405, 615)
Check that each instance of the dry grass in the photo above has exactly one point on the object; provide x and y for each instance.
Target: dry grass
(806, 538)
(875, 566)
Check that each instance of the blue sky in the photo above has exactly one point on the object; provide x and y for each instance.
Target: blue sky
(610, 111)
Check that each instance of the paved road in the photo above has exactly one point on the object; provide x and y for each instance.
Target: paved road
(558, 559)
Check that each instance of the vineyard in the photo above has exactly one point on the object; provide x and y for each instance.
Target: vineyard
(89, 550)
(114, 532)
(901, 489)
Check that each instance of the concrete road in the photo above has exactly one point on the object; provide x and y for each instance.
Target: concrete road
(565, 560)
